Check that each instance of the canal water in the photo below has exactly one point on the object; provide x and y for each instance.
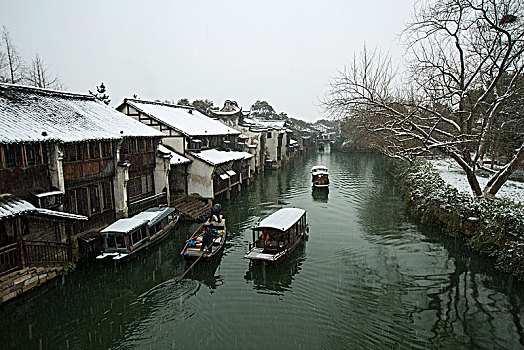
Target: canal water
(368, 277)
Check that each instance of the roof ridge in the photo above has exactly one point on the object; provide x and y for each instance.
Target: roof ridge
(157, 103)
(43, 91)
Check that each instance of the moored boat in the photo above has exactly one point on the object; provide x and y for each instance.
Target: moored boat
(126, 237)
(277, 236)
(320, 176)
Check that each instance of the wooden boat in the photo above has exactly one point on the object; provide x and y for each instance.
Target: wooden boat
(194, 247)
(320, 176)
(128, 236)
(277, 236)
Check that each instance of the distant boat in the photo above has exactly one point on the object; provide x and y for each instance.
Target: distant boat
(320, 176)
(195, 245)
(128, 236)
(277, 236)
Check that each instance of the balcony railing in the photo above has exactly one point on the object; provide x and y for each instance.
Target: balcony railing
(23, 253)
(10, 258)
(43, 253)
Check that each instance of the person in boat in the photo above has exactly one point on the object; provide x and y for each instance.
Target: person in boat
(207, 238)
(215, 213)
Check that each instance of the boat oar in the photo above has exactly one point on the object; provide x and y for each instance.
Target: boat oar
(190, 267)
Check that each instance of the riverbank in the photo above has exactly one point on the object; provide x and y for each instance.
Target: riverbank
(494, 227)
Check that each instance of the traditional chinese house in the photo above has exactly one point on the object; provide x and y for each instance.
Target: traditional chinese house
(70, 152)
(216, 165)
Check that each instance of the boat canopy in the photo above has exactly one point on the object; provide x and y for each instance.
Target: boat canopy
(282, 219)
(124, 225)
(154, 215)
(317, 168)
(320, 173)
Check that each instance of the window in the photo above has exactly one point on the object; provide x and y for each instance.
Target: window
(107, 198)
(81, 200)
(70, 153)
(30, 154)
(110, 241)
(90, 200)
(106, 149)
(141, 145)
(81, 151)
(94, 150)
(139, 186)
(135, 237)
(10, 156)
(120, 241)
(94, 199)
(71, 201)
(269, 135)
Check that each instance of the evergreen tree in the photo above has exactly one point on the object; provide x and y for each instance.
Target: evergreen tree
(101, 94)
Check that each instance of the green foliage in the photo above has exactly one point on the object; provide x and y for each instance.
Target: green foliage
(262, 109)
(101, 94)
(183, 102)
(68, 267)
(203, 106)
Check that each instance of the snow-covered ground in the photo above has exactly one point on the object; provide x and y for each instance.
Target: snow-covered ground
(452, 174)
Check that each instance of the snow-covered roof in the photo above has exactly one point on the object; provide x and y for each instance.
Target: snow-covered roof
(292, 142)
(124, 225)
(59, 214)
(185, 120)
(176, 159)
(11, 206)
(216, 157)
(153, 215)
(225, 113)
(319, 168)
(282, 219)
(29, 114)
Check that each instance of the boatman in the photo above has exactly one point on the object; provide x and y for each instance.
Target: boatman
(207, 239)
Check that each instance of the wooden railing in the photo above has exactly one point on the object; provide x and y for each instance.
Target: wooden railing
(42, 253)
(10, 258)
(16, 256)
(145, 203)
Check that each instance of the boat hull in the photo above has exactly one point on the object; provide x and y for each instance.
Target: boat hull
(258, 257)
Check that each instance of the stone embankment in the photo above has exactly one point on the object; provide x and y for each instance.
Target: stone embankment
(18, 282)
(491, 226)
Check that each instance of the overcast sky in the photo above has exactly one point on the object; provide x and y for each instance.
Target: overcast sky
(283, 52)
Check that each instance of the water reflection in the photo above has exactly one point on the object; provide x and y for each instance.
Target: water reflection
(278, 278)
(448, 294)
(320, 194)
(205, 271)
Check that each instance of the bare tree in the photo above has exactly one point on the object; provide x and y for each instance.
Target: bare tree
(466, 61)
(39, 77)
(13, 66)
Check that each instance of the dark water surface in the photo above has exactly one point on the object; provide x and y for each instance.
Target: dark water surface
(368, 277)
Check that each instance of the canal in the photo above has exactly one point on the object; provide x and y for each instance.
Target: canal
(368, 277)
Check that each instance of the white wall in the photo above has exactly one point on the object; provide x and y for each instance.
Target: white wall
(200, 178)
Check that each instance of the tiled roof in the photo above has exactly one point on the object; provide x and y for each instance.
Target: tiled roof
(216, 157)
(186, 120)
(29, 114)
(11, 206)
(176, 159)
